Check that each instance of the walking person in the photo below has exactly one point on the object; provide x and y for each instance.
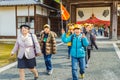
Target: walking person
(26, 54)
(77, 51)
(94, 31)
(91, 38)
(69, 32)
(48, 46)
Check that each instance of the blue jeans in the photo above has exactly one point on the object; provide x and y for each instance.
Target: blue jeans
(69, 48)
(48, 63)
(75, 64)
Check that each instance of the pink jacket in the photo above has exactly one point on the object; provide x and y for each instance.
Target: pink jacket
(24, 45)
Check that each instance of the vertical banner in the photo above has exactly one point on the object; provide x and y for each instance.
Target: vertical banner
(64, 13)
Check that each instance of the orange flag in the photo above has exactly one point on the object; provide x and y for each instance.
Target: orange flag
(64, 13)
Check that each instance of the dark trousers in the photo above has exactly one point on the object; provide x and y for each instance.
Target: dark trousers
(88, 55)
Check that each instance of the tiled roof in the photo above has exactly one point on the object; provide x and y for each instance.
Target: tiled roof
(17, 2)
(23, 2)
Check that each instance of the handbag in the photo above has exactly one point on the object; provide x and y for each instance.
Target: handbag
(33, 44)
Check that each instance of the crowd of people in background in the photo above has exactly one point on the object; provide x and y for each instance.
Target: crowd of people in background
(101, 31)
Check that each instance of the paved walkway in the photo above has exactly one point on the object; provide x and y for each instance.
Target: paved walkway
(104, 65)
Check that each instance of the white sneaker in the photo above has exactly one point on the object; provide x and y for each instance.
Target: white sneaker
(50, 71)
(86, 66)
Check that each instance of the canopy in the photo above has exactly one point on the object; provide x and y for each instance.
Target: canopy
(94, 20)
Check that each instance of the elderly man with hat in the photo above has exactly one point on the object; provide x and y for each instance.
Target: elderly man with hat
(77, 51)
(48, 46)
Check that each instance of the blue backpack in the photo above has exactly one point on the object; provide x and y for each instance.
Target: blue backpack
(72, 37)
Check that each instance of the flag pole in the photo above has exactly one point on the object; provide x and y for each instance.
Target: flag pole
(61, 13)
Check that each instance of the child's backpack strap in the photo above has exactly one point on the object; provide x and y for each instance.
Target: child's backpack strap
(83, 45)
(72, 38)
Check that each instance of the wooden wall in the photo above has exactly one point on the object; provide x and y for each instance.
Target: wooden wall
(55, 25)
(40, 21)
(118, 27)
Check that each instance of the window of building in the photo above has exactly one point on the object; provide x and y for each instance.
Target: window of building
(25, 20)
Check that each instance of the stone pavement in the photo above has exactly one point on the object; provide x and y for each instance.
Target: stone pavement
(104, 65)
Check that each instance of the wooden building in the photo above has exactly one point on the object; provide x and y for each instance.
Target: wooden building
(36, 13)
(13, 13)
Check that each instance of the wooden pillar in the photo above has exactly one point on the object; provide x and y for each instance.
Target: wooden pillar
(73, 14)
(29, 15)
(68, 7)
(16, 21)
(114, 20)
(35, 19)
